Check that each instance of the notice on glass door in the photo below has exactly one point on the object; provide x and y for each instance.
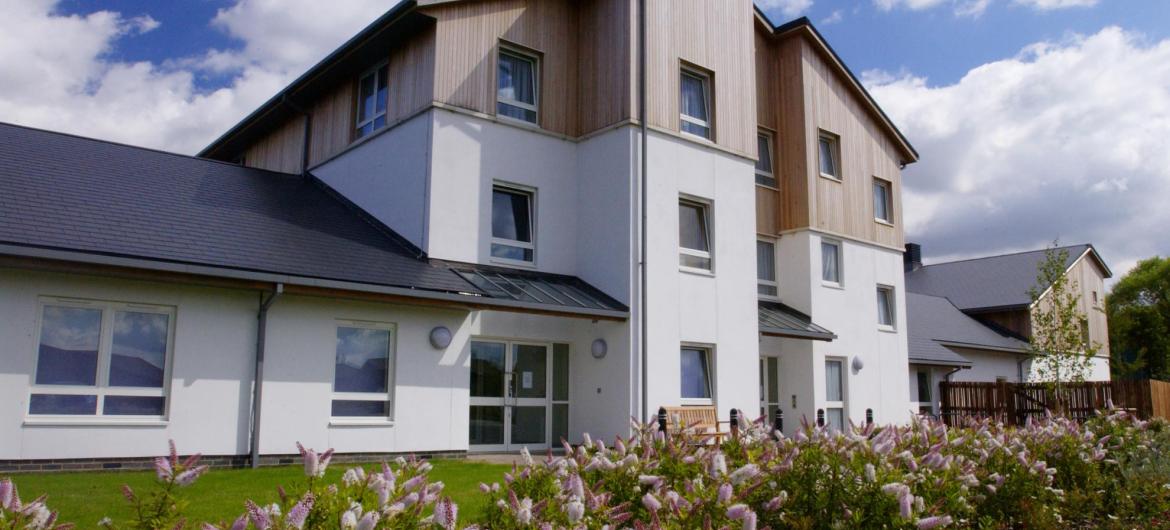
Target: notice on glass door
(526, 380)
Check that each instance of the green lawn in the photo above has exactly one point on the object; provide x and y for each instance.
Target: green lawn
(84, 498)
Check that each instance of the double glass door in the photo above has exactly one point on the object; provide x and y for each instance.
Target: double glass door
(509, 396)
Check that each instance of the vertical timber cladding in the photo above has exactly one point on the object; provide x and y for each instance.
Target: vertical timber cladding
(781, 109)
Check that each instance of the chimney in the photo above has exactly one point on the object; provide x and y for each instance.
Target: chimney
(912, 259)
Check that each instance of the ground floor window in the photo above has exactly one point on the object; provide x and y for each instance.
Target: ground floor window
(102, 359)
(363, 370)
(922, 391)
(835, 394)
(695, 369)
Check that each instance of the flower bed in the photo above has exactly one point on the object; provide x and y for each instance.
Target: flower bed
(1113, 471)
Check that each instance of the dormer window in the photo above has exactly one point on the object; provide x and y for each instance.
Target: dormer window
(517, 86)
(373, 90)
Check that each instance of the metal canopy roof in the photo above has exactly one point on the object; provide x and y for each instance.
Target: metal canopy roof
(541, 288)
(779, 320)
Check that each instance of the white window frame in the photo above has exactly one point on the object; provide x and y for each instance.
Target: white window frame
(891, 306)
(834, 151)
(835, 405)
(770, 174)
(506, 49)
(101, 387)
(705, 78)
(887, 188)
(357, 108)
(915, 399)
(709, 351)
(840, 263)
(531, 193)
(709, 255)
(391, 370)
(775, 283)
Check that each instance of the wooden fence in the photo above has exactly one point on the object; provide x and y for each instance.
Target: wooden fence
(1014, 403)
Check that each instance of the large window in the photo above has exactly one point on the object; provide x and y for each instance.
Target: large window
(829, 155)
(512, 224)
(517, 86)
(766, 268)
(363, 371)
(695, 103)
(831, 262)
(373, 91)
(882, 201)
(765, 173)
(102, 359)
(694, 235)
(885, 306)
(696, 374)
(835, 394)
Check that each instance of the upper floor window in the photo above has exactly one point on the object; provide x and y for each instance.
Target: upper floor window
(363, 371)
(885, 305)
(831, 262)
(695, 103)
(373, 91)
(102, 359)
(882, 201)
(766, 268)
(694, 235)
(829, 155)
(517, 86)
(764, 172)
(512, 223)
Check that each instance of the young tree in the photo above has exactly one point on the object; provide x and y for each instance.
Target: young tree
(1139, 321)
(1060, 347)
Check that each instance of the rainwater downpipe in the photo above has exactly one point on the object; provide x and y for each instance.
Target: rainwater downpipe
(258, 374)
(642, 196)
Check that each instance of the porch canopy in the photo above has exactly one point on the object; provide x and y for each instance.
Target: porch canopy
(779, 320)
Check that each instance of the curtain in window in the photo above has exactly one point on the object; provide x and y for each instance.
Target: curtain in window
(765, 261)
(881, 202)
(692, 227)
(828, 162)
(830, 268)
(517, 79)
(695, 380)
(833, 381)
(693, 101)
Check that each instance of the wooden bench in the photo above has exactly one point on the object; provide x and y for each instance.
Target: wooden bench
(701, 421)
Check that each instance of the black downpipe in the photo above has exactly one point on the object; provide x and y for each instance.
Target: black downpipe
(258, 375)
(642, 193)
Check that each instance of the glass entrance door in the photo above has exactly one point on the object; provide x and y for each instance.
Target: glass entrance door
(769, 387)
(509, 396)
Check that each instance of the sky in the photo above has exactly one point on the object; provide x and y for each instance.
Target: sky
(1036, 120)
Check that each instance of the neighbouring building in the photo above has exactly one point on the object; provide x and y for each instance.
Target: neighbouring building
(476, 226)
(971, 320)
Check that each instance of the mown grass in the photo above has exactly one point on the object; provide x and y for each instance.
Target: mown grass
(85, 498)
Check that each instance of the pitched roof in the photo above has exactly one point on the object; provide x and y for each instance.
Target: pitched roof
(92, 198)
(992, 282)
(934, 322)
(779, 320)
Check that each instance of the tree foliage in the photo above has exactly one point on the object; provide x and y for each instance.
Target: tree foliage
(1139, 321)
(1060, 346)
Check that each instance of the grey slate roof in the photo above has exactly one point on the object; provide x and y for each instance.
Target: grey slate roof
(76, 194)
(934, 320)
(780, 320)
(984, 283)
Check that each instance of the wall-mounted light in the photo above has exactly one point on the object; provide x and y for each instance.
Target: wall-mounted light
(599, 348)
(440, 337)
(858, 364)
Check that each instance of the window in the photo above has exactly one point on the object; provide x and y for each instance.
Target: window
(517, 86)
(1085, 340)
(1095, 299)
(363, 370)
(923, 386)
(766, 268)
(831, 262)
(695, 103)
(512, 224)
(696, 373)
(835, 394)
(102, 359)
(373, 92)
(885, 306)
(694, 235)
(764, 172)
(829, 155)
(882, 201)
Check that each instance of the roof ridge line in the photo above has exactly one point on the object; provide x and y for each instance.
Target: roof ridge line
(1063, 247)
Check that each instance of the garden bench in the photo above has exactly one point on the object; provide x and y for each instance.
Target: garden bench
(702, 420)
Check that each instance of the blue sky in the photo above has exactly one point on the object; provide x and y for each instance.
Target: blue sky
(1036, 119)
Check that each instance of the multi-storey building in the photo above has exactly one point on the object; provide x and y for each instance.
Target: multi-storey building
(478, 225)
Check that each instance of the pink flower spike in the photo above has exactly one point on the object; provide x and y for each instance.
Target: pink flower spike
(126, 492)
(6, 494)
(258, 516)
(174, 453)
(312, 467)
(651, 502)
(301, 448)
(241, 522)
(163, 469)
(749, 521)
(934, 522)
(297, 515)
(737, 512)
(189, 476)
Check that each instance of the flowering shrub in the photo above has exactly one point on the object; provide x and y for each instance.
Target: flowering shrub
(33, 515)
(1052, 473)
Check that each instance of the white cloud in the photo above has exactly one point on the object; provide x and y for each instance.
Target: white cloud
(1066, 140)
(971, 8)
(833, 18)
(975, 8)
(915, 5)
(58, 75)
(1049, 5)
(788, 8)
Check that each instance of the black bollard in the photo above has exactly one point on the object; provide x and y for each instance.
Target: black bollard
(820, 417)
(735, 424)
(869, 416)
(662, 419)
(778, 422)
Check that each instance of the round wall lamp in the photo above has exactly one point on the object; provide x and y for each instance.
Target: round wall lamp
(858, 364)
(599, 348)
(440, 337)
